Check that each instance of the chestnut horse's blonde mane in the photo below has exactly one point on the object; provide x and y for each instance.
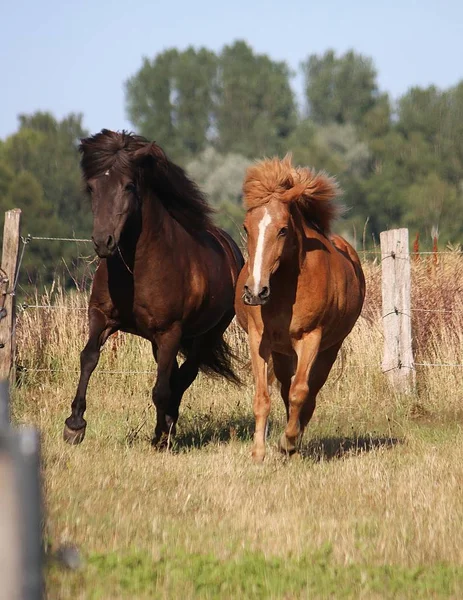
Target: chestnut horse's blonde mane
(275, 179)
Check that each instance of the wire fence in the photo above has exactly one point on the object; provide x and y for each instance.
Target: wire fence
(367, 254)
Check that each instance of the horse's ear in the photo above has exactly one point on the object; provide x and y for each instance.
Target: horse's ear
(149, 153)
(83, 144)
(294, 192)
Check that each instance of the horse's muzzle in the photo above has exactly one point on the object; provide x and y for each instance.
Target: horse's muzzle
(258, 299)
(105, 246)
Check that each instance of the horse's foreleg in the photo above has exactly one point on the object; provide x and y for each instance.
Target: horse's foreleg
(260, 354)
(306, 349)
(99, 331)
(167, 344)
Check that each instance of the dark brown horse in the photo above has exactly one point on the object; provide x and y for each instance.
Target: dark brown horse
(300, 292)
(166, 273)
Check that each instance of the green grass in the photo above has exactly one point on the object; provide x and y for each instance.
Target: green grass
(373, 508)
(178, 574)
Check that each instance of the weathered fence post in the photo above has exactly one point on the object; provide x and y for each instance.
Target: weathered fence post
(10, 533)
(398, 363)
(28, 481)
(11, 239)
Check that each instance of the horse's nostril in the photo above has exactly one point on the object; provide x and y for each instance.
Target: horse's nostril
(264, 293)
(110, 241)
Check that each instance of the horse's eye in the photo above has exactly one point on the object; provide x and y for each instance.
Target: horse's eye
(130, 187)
(283, 231)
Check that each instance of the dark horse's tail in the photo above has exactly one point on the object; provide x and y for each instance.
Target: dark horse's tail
(215, 356)
(218, 360)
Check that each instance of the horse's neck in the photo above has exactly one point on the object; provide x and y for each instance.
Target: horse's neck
(156, 225)
(296, 253)
(306, 236)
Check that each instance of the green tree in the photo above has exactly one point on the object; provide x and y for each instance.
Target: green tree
(6, 177)
(39, 173)
(221, 178)
(48, 149)
(340, 90)
(437, 116)
(195, 74)
(170, 99)
(26, 193)
(256, 111)
(239, 101)
(432, 205)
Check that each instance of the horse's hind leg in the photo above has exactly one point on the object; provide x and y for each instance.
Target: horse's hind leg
(99, 331)
(182, 377)
(185, 376)
(307, 350)
(165, 346)
(318, 376)
(167, 396)
(283, 367)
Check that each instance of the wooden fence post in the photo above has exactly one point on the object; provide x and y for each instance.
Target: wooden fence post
(10, 530)
(398, 363)
(11, 239)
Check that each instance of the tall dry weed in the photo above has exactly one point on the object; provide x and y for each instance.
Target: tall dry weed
(50, 338)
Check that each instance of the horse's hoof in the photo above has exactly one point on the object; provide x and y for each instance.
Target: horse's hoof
(296, 456)
(161, 443)
(287, 446)
(258, 457)
(74, 436)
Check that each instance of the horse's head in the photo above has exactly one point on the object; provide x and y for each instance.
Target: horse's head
(278, 198)
(269, 229)
(114, 198)
(112, 181)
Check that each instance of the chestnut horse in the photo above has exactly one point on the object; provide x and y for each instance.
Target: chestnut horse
(166, 272)
(299, 293)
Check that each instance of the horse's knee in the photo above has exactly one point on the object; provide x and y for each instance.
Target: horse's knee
(89, 356)
(161, 394)
(261, 405)
(298, 394)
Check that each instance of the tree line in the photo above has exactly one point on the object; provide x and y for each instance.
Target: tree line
(400, 163)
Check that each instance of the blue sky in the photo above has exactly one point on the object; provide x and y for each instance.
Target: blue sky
(75, 56)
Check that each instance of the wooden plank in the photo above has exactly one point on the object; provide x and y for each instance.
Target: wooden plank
(398, 362)
(11, 240)
(10, 534)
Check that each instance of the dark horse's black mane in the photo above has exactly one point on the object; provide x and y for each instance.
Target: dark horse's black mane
(145, 161)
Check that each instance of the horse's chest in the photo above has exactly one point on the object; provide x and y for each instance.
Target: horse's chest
(277, 333)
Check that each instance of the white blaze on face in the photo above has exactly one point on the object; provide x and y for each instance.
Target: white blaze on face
(257, 271)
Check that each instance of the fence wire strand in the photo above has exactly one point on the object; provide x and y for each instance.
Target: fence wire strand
(24, 306)
(58, 239)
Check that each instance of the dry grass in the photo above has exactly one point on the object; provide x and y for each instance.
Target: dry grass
(380, 482)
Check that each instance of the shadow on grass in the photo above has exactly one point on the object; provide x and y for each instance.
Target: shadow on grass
(332, 448)
(199, 431)
(205, 429)
(196, 431)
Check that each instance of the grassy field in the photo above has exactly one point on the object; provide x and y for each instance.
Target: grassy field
(372, 509)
